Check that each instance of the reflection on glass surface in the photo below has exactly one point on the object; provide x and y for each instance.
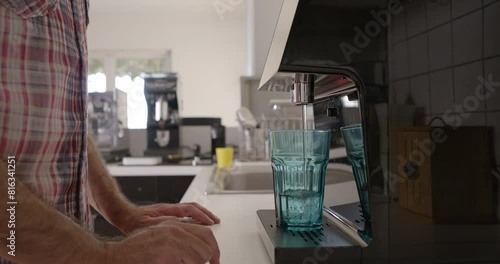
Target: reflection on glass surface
(353, 139)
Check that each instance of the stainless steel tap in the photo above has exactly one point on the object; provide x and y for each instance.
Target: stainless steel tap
(302, 89)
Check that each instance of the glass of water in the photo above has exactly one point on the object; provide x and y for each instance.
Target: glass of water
(299, 160)
(353, 139)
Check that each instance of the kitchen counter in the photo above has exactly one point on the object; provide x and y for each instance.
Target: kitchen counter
(237, 235)
(240, 242)
(117, 169)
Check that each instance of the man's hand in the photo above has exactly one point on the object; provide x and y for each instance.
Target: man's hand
(169, 242)
(144, 216)
(107, 198)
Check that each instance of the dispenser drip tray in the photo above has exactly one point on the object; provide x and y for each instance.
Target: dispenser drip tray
(318, 246)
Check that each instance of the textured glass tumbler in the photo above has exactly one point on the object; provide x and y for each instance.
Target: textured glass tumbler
(299, 159)
(353, 139)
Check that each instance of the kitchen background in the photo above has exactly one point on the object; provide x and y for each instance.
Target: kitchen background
(211, 45)
(219, 47)
(438, 52)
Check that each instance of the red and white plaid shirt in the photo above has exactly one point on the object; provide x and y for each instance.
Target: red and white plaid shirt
(43, 100)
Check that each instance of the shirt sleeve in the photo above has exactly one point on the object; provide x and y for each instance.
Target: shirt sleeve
(30, 8)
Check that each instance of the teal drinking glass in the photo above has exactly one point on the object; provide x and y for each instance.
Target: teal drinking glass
(353, 139)
(299, 160)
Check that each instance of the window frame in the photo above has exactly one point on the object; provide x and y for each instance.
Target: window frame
(110, 58)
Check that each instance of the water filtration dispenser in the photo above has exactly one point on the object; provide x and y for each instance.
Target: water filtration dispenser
(337, 57)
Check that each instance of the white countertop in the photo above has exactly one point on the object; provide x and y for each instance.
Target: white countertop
(117, 169)
(237, 234)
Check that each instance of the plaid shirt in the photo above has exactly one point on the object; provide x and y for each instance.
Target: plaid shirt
(43, 100)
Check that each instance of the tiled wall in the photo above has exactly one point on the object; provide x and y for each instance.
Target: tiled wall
(449, 43)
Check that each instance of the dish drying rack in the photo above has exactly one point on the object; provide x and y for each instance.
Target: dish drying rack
(254, 140)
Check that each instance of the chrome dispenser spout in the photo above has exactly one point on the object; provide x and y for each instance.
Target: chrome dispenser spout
(302, 89)
(307, 88)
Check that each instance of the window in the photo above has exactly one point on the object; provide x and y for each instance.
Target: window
(124, 70)
(97, 77)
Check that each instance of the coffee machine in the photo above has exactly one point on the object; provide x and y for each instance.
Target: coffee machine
(160, 90)
(341, 57)
(107, 124)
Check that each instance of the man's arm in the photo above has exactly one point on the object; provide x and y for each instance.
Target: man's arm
(107, 198)
(105, 195)
(43, 235)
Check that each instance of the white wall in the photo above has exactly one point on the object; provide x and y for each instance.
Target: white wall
(208, 50)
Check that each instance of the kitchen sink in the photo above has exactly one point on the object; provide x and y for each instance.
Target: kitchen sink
(250, 181)
(257, 177)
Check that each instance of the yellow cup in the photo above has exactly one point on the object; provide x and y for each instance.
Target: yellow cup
(224, 157)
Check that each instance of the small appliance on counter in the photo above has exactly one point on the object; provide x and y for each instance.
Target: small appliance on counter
(106, 124)
(207, 133)
(160, 90)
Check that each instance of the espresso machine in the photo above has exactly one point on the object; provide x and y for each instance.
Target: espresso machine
(107, 124)
(338, 56)
(160, 90)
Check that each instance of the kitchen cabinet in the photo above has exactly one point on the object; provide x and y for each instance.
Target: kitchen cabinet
(139, 190)
(144, 190)
(171, 189)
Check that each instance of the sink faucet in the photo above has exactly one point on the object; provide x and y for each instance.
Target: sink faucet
(197, 155)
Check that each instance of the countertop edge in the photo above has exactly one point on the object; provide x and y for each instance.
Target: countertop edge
(118, 170)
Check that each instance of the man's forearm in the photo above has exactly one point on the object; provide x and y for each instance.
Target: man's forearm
(43, 235)
(106, 196)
